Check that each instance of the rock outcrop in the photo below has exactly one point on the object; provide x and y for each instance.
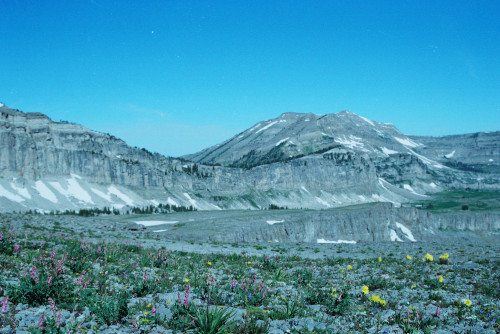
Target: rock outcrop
(296, 161)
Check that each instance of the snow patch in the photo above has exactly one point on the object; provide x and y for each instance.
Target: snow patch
(255, 127)
(388, 151)
(406, 231)
(155, 203)
(114, 191)
(394, 236)
(45, 192)
(99, 193)
(267, 126)
(304, 188)
(491, 160)
(367, 120)
(74, 190)
(172, 202)
(160, 231)
(272, 222)
(7, 194)
(282, 140)
(427, 161)
(449, 155)
(352, 142)
(323, 241)
(433, 185)
(192, 201)
(21, 191)
(407, 142)
(320, 201)
(155, 222)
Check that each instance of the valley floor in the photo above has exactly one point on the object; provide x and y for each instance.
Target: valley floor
(68, 274)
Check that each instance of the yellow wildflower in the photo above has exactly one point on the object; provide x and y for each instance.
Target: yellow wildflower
(440, 279)
(408, 257)
(186, 280)
(467, 302)
(379, 259)
(428, 257)
(349, 267)
(209, 263)
(365, 289)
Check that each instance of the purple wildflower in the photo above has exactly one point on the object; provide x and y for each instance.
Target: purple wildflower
(186, 296)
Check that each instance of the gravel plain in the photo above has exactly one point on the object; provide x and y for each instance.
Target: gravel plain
(112, 275)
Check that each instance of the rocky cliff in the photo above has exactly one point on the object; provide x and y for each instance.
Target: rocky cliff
(296, 160)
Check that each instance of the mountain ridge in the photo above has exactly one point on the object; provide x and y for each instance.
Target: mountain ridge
(333, 160)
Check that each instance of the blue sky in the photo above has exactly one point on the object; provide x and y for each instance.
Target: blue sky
(178, 76)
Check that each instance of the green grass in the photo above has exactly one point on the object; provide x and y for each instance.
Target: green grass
(454, 200)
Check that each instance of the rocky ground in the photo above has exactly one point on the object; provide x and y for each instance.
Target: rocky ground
(66, 274)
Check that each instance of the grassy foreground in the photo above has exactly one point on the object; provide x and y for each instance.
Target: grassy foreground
(56, 283)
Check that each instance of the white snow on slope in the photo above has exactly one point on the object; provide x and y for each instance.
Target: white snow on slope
(172, 202)
(406, 231)
(272, 222)
(367, 120)
(304, 188)
(388, 151)
(352, 142)
(192, 201)
(255, 127)
(45, 192)
(99, 193)
(449, 155)
(323, 241)
(407, 142)
(21, 191)
(266, 127)
(1, 105)
(394, 236)
(155, 222)
(282, 140)
(319, 200)
(409, 188)
(7, 194)
(160, 231)
(427, 161)
(433, 185)
(114, 191)
(74, 190)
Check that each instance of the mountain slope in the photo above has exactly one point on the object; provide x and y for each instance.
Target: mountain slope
(295, 160)
(295, 135)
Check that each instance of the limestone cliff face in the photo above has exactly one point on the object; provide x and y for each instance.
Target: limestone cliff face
(381, 222)
(297, 160)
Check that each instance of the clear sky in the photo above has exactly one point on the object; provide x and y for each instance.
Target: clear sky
(178, 76)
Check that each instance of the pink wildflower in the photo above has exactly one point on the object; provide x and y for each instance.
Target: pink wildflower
(186, 296)
(53, 307)
(16, 248)
(59, 318)
(145, 276)
(52, 255)
(437, 311)
(154, 310)
(34, 274)
(233, 284)
(1, 236)
(5, 302)
(42, 321)
(49, 280)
